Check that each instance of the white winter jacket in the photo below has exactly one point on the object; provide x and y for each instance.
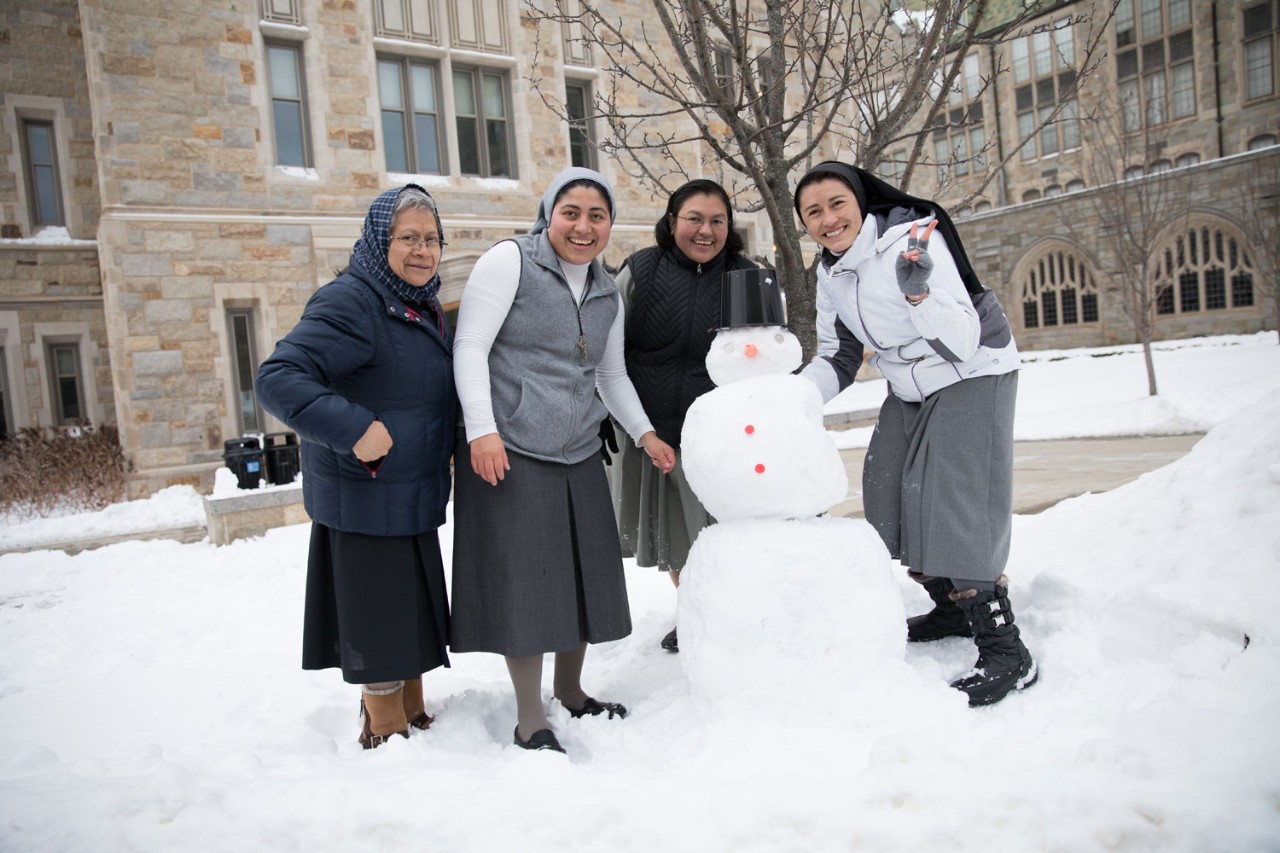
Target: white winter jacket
(919, 348)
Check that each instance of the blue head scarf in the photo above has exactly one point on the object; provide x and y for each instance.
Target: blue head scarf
(568, 176)
(370, 251)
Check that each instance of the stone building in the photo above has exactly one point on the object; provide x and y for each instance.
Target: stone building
(176, 179)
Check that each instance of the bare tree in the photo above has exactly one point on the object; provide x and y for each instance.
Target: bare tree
(759, 89)
(1132, 202)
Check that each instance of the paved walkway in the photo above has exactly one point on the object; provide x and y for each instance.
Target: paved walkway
(1045, 472)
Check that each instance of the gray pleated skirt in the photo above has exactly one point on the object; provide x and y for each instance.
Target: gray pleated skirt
(536, 562)
(937, 483)
(659, 516)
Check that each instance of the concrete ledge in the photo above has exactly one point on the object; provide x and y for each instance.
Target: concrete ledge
(249, 513)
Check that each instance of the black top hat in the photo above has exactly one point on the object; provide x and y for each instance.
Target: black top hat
(751, 298)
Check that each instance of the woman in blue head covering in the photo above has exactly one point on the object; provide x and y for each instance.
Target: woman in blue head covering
(366, 380)
(536, 563)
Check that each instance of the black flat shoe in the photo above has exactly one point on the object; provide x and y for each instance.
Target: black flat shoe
(541, 739)
(670, 642)
(593, 708)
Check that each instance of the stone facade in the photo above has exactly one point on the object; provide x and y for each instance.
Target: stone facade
(178, 215)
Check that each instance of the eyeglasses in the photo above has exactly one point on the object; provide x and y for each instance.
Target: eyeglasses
(413, 241)
(718, 223)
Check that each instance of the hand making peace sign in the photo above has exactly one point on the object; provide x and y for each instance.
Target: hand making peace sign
(914, 265)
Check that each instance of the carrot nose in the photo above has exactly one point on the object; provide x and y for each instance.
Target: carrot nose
(750, 350)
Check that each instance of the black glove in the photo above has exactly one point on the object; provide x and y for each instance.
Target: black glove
(608, 440)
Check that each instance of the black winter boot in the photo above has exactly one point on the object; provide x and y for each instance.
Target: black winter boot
(1004, 664)
(946, 619)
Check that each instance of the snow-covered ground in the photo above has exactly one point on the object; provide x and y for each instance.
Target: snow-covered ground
(151, 698)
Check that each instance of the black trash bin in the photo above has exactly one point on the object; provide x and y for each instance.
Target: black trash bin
(283, 458)
(245, 459)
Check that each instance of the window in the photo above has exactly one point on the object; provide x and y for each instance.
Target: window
(1155, 61)
(577, 104)
(959, 146)
(1266, 140)
(1059, 291)
(1203, 269)
(1045, 77)
(892, 166)
(288, 104)
(409, 97)
(244, 363)
(722, 59)
(66, 383)
(41, 162)
(480, 121)
(6, 410)
(1075, 185)
(1185, 160)
(1261, 27)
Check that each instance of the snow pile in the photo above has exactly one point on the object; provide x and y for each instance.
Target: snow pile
(174, 507)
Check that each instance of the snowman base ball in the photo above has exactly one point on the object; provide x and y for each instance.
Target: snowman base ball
(789, 608)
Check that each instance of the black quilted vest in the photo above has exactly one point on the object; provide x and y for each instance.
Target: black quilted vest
(674, 314)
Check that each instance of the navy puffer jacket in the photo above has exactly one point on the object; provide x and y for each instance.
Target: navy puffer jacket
(358, 354)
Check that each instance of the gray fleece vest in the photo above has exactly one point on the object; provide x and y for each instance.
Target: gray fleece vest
(542, 368)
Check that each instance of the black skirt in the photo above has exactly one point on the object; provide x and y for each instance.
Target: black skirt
(376, 606)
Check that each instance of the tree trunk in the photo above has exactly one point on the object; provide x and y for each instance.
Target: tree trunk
(1151, 368)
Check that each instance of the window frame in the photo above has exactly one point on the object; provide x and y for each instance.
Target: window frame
(1156, 86)
(1051, 279)
(1054, 49)
(478, 74)
(410, 137)
(1252, 37)
(31, 178)
(242, 374)
(297, 49)
(57, 412)
(580, 125)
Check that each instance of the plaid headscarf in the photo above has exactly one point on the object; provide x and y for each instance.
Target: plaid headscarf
(370, 251)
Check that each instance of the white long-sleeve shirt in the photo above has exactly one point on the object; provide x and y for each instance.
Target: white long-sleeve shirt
(490, 292)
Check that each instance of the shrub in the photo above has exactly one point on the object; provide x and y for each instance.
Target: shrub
(75, 468)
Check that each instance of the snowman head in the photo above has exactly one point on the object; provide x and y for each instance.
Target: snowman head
(752, 340)
(752, 351)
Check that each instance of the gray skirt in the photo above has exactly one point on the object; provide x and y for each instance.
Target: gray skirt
(536, 562)
(937, 484)
(659, 516)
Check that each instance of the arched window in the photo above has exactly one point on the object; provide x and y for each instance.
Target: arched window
(1031, 195)
(1075, 185)
(1186, 160)
(1204, 268)
(1266, 140)
(1058, 290)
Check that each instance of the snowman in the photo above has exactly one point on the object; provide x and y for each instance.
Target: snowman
(776, 596)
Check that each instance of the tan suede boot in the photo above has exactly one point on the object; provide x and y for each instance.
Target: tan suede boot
(414, 707)
(381, 716)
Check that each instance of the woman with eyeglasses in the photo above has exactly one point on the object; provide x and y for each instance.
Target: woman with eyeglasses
(672, 296)
(536, 562)
(366, 380)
